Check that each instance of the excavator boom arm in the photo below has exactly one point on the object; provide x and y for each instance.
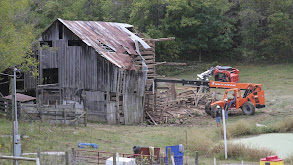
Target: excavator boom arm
(229, 85)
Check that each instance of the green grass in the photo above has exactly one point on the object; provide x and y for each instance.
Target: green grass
(277, 81)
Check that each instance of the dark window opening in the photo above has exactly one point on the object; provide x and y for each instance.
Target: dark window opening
(46, 43)
(60, 26)
(105, 47)
(50, 76)
(74, 42)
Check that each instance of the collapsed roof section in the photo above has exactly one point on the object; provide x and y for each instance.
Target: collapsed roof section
(113, 41)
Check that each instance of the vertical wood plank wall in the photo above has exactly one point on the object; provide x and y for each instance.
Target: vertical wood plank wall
(109, 93)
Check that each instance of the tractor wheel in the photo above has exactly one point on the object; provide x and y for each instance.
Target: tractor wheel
(213, 111)
(248, 108)
(208, 108)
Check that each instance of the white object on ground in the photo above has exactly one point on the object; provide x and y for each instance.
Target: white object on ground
(260, 125)
(121, 161)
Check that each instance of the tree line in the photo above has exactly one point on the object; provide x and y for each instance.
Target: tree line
(246, 31)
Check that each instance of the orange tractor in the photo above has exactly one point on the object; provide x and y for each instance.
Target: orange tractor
(221, 73)
(252, 98)
(226, 74)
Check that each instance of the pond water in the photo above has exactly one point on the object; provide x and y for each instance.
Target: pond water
(280, 143)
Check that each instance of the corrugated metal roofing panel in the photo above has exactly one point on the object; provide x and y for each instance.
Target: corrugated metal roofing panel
(20, 97)
(112, 40)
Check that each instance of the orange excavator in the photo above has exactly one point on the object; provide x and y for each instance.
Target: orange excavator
(253, 96)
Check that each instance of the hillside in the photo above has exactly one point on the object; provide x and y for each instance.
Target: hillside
(205, 137)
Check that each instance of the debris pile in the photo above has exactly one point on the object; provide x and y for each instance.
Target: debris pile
(177, 108)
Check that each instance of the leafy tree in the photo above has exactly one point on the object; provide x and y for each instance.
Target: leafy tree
(85, 10)
(201, 27)
(116, 10)
(279, 41)
(251, 33)
(16, 34)
(148, 13)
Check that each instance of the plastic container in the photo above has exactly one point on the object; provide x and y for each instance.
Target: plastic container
(271, 160)
(93, 145)
(177, 150)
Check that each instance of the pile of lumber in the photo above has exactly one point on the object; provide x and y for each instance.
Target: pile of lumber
(179, 108)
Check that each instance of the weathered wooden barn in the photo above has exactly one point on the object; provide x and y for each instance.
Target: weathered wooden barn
(97, 65)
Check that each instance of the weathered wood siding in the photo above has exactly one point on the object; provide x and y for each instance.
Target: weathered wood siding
(85, 76)
(29, 81)
(94, 101)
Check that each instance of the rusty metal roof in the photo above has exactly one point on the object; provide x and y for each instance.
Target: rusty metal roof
(20, 97)
(111, 40)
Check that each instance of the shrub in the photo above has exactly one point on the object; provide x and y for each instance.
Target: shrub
(240, 128)
(284, 125)
(289, 160)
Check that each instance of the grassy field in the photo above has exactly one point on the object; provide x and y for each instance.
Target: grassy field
(277, 81)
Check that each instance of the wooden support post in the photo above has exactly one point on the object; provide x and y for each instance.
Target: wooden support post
(114, 159)
(196, 158)
(85, 117)
(67, 158)
(162, 161)
(169, 156)
(64, 115)
(19, 111)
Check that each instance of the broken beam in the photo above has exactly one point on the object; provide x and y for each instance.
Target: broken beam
(151, 118)
(161, 39)
(171, 63)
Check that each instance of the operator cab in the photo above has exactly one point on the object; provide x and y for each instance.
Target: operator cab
(229, 68)
(229, 96)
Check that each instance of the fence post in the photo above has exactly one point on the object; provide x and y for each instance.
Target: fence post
(196, 158)
(39, 155)
(169, 156)
(114, 159)
(73, 156)
(172, 158)
(37, 161)
(67, 158)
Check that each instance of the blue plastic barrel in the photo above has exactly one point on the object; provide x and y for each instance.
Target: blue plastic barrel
(178, 151)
